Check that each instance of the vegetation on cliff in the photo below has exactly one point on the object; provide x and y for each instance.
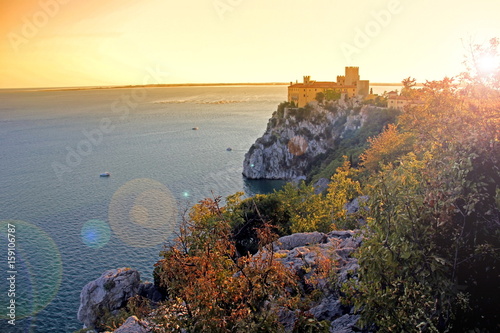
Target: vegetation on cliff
(310, 142)
(428, 189)
(431, 259)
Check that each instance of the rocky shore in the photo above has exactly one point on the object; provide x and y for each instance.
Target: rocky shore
(302, 252)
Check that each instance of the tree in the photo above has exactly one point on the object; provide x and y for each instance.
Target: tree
(408, 85)
(210, 288)
(341, 190)
(386, 147)
(332, 95)
(320, 97)
(307, 210)
(403, 286)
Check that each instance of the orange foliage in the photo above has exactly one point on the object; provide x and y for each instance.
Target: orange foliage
(209, 287)
(386, 147)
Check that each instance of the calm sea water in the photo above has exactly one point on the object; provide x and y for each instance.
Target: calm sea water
(65, 225)
(70, 225)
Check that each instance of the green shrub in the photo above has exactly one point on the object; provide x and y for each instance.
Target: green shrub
(430, 260)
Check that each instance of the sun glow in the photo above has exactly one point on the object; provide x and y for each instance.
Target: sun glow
(487, 63)
(56, 43)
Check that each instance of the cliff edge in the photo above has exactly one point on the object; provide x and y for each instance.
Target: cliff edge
(296, 139)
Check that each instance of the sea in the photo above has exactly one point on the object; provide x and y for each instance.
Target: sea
(62, 225)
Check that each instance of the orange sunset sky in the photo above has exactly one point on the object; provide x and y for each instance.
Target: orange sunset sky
(58, 43)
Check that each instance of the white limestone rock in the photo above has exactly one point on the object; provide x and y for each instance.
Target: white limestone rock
(133, 325)
(295, 140)
(109, 292)
(300, 239)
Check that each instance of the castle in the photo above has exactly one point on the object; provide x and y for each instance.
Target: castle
(348, 84)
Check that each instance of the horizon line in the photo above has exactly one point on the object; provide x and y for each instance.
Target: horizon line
(167, 85)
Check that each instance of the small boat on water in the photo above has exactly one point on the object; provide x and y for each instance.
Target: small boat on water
(229, 149)
(195, 128)
(105, 174)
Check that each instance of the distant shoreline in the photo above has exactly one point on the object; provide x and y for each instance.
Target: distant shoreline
(166, 85)
(173, 85)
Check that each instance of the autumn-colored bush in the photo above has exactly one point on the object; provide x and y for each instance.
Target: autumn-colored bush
(386, 147)
(211, 288)
(430, 262)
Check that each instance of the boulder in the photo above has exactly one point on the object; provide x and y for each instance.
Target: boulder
(342, 234)
(345, 324)
(354, 206)
(287, 317)
(108, 293)
(321, 185)
(133, 325)
(301, 239)
(303, 253)
(150, 291)
(330, 307)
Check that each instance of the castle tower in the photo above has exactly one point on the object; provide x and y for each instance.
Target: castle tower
(307, 79)
(351, 76)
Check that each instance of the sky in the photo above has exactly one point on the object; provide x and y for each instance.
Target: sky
(67, 43)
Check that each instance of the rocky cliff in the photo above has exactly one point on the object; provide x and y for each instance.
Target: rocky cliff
(302, 252)
(297, 139)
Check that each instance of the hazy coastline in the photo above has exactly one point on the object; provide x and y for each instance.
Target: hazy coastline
(173, 85)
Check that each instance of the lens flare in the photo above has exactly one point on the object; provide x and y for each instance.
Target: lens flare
(95, 234)
(143, 213)
(487, 63)
(33, 269)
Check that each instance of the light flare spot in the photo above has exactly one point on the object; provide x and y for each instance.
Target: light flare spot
(487, 63)
(143, 213)
(95, 234)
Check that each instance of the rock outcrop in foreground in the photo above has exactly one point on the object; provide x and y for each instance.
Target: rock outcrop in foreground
(133, 325)
(302, 252)
(109, 292)
(296, 139)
